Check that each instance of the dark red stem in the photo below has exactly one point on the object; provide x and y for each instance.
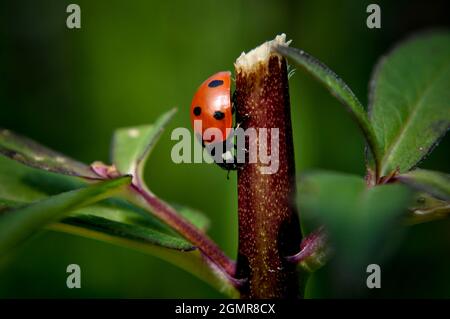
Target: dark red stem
(269, 228)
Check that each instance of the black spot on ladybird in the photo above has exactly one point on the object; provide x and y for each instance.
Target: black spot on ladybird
(218, 115)
(197, 110)
(215, 83)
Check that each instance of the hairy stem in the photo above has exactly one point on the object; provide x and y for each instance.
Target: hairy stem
(268, 223)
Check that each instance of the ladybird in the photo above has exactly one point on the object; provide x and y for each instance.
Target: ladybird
(212, 104)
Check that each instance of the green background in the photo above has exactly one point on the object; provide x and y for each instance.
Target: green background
(131, 61)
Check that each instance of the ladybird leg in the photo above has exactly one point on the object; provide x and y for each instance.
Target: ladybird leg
(228, 159)
(234, 165)
(242, 119)
(246, 117)
(228, 166)
(223, 160)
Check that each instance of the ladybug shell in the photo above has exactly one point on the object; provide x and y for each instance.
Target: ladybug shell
(212, 105)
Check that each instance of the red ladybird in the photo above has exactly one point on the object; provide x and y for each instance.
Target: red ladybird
(212, 105)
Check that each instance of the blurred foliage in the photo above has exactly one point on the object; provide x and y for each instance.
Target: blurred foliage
(130, 62)
(23, 223)
(363, 223)
(408, 100)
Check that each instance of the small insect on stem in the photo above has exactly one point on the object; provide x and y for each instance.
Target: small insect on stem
(214, 106)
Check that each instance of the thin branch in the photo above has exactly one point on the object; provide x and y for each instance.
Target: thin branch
(144, 198)
(314, 251)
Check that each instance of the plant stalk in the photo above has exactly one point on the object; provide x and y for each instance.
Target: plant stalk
(269, 227)
(144, 198)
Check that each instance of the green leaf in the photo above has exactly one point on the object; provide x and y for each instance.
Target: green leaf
(117, 223)
(149, 242)
(435, 183)
(357, 217)
(122, 214)
(132, 145)
(26, 184)
(33, 154)
(18, 225)
(409, 100)
(22, 185)
(116, 217)
(119, 210)
(127, 231)
(113, 220)
(6, 204)
(337, 87)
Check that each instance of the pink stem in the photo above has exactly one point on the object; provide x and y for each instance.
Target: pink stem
(310, 245)
(168, 215)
